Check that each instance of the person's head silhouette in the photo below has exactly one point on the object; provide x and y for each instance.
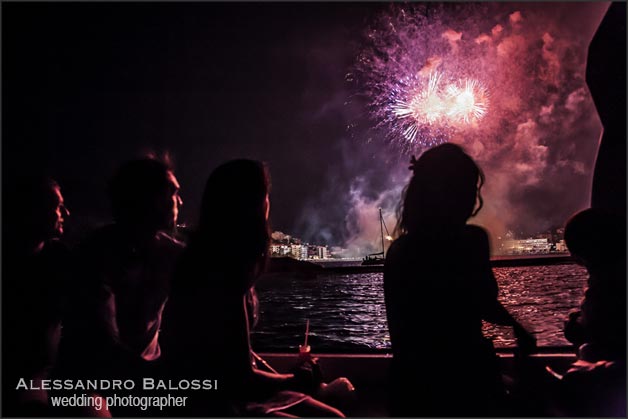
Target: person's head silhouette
(596, 237)
(144, 195)
(36, 209)
(444, 190)
(234, 211)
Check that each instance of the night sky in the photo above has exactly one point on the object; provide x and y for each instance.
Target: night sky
(87, 86)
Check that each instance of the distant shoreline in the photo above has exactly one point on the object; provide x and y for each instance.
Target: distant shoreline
(349, 266)
(528, 260)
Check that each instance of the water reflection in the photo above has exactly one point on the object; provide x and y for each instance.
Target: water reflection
(347, 312)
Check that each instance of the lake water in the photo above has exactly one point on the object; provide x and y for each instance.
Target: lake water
(347, 312)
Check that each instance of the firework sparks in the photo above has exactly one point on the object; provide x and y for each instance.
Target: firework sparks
(426, 81)
(468, 104)
(445, 105)
(425, 106)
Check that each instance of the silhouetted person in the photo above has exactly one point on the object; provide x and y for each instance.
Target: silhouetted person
(123, 278)
(594, 239)
(606, 78)
(439, 286)
(595, 385)
(34, 281)
(207, 319)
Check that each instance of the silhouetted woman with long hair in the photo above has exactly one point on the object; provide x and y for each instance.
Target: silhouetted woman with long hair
(207, 319)
(439, 286)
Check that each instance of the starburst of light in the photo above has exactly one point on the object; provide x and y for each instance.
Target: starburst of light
(469, 103)
(464, 101)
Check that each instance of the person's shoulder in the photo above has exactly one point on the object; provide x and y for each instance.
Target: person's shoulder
(398, 244)
(397, 249)
(57, 248)
(475, 232)
(168, 248)
(57, 255)
(476, 241)
(166, 240)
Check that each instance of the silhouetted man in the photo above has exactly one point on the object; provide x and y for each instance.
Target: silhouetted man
(35, 274)
(124, 275)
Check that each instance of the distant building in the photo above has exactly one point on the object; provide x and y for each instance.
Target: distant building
(295, 251)
(279, 250)
(317, 252)
(285, 245)
(322, 252)
(527, 246)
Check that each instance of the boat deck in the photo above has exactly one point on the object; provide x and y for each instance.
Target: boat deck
(368, 373)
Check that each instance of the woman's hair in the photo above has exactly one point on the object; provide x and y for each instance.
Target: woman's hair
(233, 228)
(444, 189)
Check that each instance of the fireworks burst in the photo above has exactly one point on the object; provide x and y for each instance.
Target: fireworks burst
(443, 105)
(469, 103)
(426, 82)
(495, 79)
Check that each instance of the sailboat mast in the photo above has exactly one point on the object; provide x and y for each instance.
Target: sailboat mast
(381, 228)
